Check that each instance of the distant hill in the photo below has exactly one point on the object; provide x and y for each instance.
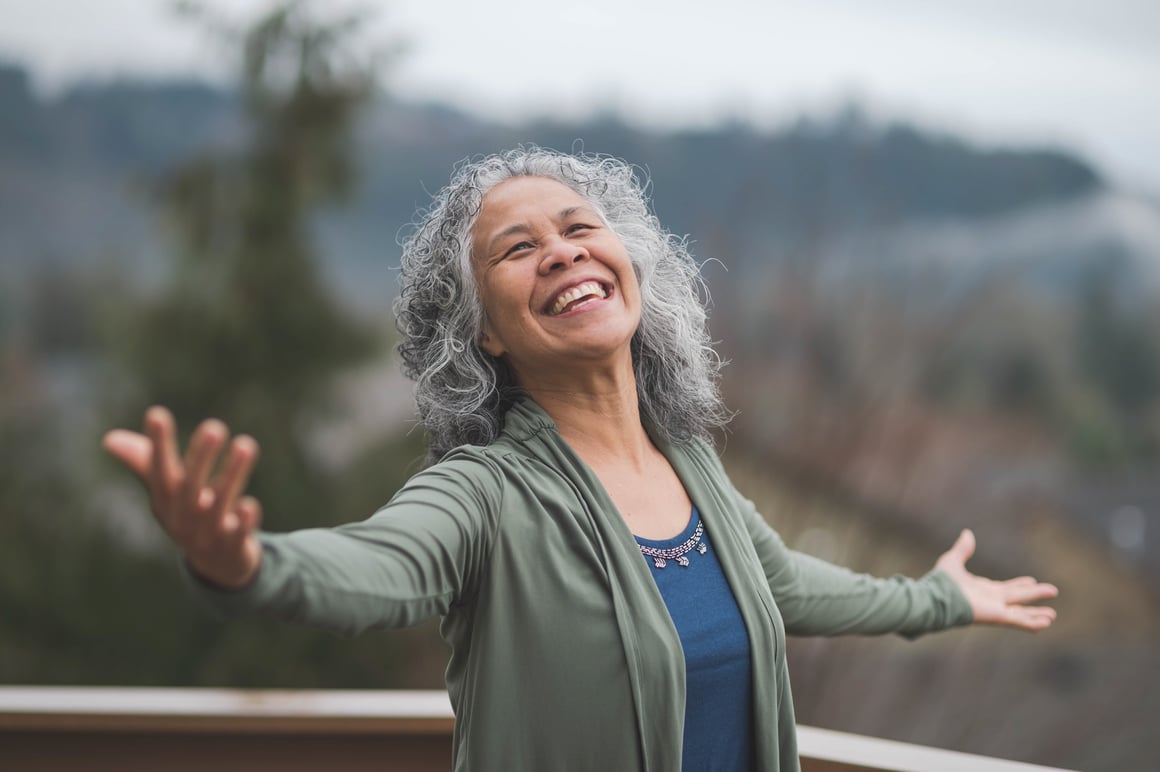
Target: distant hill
(75, 172)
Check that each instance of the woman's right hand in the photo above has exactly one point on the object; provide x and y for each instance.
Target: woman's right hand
(205, 514)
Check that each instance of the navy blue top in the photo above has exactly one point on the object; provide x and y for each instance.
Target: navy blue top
(718, 677)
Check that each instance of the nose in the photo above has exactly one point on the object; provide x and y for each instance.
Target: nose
(560, 254)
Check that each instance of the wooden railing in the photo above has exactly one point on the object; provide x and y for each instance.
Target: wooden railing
(195, 730)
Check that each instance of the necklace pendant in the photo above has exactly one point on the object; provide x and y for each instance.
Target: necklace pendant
(702, 548)
(659, 562)
(684, 561)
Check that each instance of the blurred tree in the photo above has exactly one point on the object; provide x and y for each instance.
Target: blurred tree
(22, 129)
(1118, 349)
(247, 330)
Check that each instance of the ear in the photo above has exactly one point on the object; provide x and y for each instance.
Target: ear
(490, 343)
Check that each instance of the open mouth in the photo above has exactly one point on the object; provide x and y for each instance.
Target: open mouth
(580, 295)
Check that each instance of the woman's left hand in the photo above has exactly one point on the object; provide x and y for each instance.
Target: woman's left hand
(994, 602)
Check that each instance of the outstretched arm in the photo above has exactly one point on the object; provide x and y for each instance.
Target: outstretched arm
(819, 598)
(209, 520)
(994, 602)
(413, 559)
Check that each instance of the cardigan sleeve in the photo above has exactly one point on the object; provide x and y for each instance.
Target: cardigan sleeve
(412, 560)
(819, 598)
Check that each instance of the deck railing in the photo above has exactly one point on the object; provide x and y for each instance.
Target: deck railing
(195, 730)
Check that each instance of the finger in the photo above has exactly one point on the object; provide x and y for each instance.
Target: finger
(1031, 612)
(249, 510)
(228, 564)
(234, 526)
(165, 470)
(204, 447)
(235, 473)
(1033, 618)
(235, 540)
(229, 528)
(132, 449)
(1029, 593)
(241, 521)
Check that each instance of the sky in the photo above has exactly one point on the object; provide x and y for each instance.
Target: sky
(1078, 74)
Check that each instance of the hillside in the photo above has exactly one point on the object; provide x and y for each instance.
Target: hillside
(75, 173)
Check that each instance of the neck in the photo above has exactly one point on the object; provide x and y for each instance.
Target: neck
(597, 413)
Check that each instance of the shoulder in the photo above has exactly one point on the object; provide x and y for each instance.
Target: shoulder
(465, 486)
(467, 466)
(488, 469)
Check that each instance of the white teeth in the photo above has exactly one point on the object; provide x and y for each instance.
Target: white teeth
(577, 292)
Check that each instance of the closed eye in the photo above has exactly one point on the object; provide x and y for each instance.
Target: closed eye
(521, 246)
(578, 228)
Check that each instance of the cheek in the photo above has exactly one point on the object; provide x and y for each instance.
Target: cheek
(489, 290)
(503, 301)
(631, 285)
(629, 271)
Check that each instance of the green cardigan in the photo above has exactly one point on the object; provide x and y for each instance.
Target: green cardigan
(563, 655)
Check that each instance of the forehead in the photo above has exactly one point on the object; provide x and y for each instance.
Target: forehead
(520, 200)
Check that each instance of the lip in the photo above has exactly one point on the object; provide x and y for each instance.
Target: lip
(608, 287)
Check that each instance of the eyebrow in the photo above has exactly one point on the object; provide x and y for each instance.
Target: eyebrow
(512, 230)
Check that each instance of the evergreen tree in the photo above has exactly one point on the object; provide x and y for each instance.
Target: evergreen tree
(247, 330)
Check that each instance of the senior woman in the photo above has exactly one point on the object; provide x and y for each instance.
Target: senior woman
(610, 600)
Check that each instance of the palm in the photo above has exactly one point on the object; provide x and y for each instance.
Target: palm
(205, 515)
(998, 602)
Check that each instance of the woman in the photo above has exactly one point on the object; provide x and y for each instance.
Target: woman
(610, 600)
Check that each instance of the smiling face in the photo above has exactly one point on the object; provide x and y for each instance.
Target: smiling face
(557, 284)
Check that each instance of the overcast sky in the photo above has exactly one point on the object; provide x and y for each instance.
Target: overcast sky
(1078, 73)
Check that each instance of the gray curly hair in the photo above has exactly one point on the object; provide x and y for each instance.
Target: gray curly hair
(462, 392)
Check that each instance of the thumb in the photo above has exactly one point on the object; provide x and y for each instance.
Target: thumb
(131, 449)
(961, 551)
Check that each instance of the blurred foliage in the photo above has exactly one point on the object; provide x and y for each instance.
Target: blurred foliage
(247, 331)
(1088, 375)
(1118, 346)
(84, 603)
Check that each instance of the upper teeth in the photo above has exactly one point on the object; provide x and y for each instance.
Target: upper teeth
(577, 292)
